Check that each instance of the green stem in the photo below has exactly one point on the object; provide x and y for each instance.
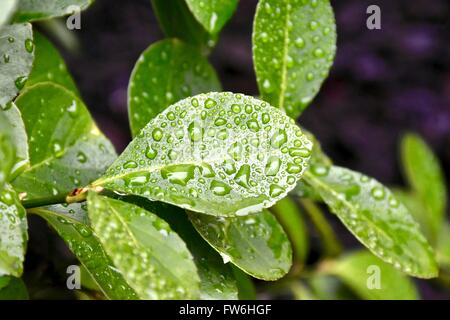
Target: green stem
(331, 244)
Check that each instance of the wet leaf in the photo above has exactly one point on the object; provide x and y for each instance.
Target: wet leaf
(372, 279)
(12, 289)
(177, 21)
(13, 233)
(216, 278)
(152, 258)
(257, 244)
(16, 60)
(376, 218)
(71, 224)
(66, 148)
(34, 10)
(294, 43)
(167, 72)
(18, 137)
(212, 14)
(49, 66)
(290, 216)
(7, 8)
(221, 154)
(424, 173)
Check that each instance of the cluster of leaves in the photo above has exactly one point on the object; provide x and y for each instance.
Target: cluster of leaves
(183, 212)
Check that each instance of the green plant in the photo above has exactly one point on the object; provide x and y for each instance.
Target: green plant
(204, 184)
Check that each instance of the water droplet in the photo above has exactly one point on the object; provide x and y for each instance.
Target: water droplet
(272, 166)
(209, 103)
(195, 131)
(299, 42)
(29, 45)
(20, 82)
(275, 190)
(278, 139)
(253, 125)
(130, 165)
(178, 174)
(150, 153)
(220, 188)
(243, 176)
(81, 157)
(378, 193)
(157, 134)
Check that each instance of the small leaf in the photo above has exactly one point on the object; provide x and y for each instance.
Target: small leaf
(294, 43)
(221, 154)
(152, 258)
(16, 59)
(49, 66)
(13, 233)
(216, 278)
(7, 8)
(166, 72)
(425, 175)
(212, 14)
(66, 148)
(18, 137)
(70, 223)
(32, 10)
(256, 244)
(176, 21)
(14, 289)
(372, 279)
(376, 218)
(290, 216)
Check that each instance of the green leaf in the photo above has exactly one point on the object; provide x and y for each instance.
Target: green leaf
(376, 218)
(425, 175)
(372, 279)
(13, 233)
(49, 66)
(66, 148)
(221, 154)
(216, 278)
(257, 244)
(177, 21)
(34, 10)
(152, 258)
(294, 43)
(7, 8)
(245, 285)
(328, 287)
(443, 247)
(16, 59)
(290, 216)
(71, 224)
(212, 14)
(14, 289)
(166, 72)
(18, 137)
(7, 159)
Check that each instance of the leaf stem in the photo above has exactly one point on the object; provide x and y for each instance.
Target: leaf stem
(332, 245)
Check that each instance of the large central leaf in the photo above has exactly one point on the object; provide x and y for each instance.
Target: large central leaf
(221, 154)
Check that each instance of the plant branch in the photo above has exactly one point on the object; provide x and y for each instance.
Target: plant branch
(331, 244)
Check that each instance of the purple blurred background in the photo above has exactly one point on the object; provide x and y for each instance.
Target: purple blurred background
(384, 82)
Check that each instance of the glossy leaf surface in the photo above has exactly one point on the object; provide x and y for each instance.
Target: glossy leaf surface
(294, 43)
(167, 72)
(221, 154)
(33, 10)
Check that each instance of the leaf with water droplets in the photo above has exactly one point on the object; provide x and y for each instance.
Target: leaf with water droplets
(376, 218)
(49, 66)
(7, 8)
(221, 154)
(424, 174)
(16, 60)
(13, 233)
(212, 14)
(152, 258)
(18, 136)
(71, 223)
(372, 279)
(294, 43)
(166, 72)
(12, 288)
(36, 10)
(257, 243)
(216, 278)
(177, 21)
(66, 148)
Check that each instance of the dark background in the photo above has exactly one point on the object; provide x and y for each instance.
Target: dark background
(384, 82)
